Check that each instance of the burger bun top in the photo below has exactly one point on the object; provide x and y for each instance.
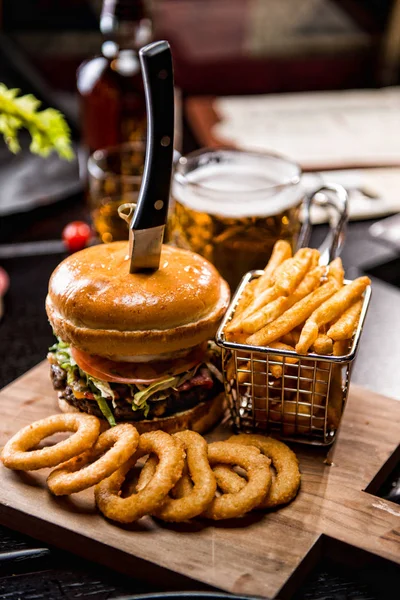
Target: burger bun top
(95, 304)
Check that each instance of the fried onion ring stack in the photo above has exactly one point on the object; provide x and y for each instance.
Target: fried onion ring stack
(182, 478)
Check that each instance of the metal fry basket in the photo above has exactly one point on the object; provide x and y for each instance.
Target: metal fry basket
(299, 398)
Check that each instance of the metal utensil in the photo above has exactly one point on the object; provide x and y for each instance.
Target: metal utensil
(296, 405)
(334, 197)
(146, 230)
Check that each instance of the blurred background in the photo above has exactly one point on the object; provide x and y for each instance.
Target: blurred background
(315, 80)
(222, 46)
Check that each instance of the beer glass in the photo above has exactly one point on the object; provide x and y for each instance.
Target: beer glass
(232, 206)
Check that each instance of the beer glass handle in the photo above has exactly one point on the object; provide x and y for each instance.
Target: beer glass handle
(335, 199)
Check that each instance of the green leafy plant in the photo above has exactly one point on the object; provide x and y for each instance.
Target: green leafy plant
(48, 129)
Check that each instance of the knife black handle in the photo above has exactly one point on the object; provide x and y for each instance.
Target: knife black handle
(152, 206)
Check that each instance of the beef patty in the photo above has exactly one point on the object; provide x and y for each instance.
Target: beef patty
(176, 402)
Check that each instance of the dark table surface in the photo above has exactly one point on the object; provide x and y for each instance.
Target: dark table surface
(29, 570)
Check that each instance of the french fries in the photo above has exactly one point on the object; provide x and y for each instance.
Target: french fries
(293, 271)
(259, 371)
(299, 306)
(262, 300)
(275, 300)
(311, 281)
(277, 370)
(264, 315)
(335, 403)
(291, 338)
(272, 310)
(315, 256)
(330, 310)
(336, 271)
(293, 317)
(323, 344)
(281, 252)
(295, 418)
(295, 292)
(344, 327)
(245, 299)
(239, 337)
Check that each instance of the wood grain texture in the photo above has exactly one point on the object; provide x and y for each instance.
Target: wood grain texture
(254, 555)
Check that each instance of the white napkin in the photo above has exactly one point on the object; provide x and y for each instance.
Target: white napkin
(384, 184)
(319, 130)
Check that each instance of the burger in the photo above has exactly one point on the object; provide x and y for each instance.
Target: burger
(135, 347)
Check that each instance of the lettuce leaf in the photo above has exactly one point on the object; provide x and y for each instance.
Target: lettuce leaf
(141, 397)
(100, 386)
(62, 354)
(105, 409)
(103, 391)
(78, 379)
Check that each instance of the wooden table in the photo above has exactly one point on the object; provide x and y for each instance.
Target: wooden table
(255, 555)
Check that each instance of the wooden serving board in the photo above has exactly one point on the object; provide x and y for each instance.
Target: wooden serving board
(254, 555)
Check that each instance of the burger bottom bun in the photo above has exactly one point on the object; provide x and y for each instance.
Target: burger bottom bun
(201, 418)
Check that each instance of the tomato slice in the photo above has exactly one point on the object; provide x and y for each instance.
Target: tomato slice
(123, 372)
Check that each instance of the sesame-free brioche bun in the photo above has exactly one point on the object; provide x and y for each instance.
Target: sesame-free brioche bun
(96, 305)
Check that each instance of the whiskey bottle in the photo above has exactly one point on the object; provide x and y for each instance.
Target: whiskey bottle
(110, 84)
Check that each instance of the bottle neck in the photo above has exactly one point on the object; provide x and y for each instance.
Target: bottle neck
(125, 25)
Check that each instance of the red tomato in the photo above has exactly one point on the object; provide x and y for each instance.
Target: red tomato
(76, 235)
(123, 372)
(4, 282)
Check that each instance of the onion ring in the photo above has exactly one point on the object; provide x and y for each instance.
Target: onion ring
(171, 459)
(236, 504)
(194, 498)
(228, 481)
(16, 454)
(287, 481)
(184, 486)
(114, 447)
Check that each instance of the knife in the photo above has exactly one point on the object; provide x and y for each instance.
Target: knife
(146, 230)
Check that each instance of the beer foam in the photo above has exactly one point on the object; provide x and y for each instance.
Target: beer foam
(236, 190)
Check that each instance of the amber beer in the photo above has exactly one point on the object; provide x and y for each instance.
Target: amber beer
(232, 206)
(115, 175)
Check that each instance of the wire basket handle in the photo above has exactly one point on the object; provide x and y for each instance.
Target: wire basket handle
(335, 199)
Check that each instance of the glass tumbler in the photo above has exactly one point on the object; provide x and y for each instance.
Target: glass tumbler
(115, 175)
